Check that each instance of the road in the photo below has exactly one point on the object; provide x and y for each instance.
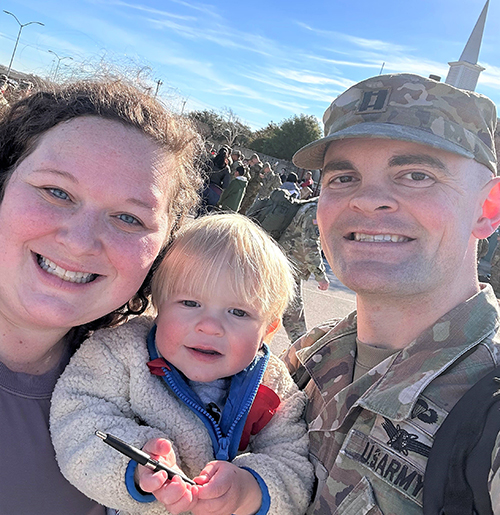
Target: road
(336, 302)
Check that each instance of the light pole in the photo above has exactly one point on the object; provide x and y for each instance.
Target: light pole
(21, 26)
(59, 59)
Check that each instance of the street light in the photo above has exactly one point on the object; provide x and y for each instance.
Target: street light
(59, 59)
(21, 26)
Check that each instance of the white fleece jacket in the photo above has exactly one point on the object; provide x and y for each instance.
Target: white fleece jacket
(108, 387)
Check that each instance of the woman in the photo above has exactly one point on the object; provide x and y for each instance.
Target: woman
(218, 177)
(94, 178)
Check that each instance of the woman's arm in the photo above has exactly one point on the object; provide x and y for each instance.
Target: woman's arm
(94, 394)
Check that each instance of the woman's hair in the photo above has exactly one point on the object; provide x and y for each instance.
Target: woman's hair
(24, 123)
(227, 246)
(221, 159)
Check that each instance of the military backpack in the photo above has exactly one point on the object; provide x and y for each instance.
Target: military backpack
(276, 212)
(456, 477)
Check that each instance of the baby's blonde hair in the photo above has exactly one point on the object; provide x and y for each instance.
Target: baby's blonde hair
(210, 247)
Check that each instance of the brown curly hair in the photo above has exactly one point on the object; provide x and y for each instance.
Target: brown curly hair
(23, 123)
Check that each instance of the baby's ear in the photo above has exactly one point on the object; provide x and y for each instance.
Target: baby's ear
(271, 329)
(489, 219)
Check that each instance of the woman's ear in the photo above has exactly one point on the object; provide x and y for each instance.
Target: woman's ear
(271, 330)
(490, 216)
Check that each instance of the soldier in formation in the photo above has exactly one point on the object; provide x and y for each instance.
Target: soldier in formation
(301, 244)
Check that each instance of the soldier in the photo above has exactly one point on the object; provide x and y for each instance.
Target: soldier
(270, 181)
(254, 183)
(237, 160)
(408, 187)
(301, 244)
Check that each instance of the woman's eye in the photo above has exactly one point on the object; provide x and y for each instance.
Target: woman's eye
(189, 303)
(238, 312)
(129, 219)
(60, 194)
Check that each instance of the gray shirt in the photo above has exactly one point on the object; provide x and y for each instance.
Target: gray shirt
(30, 481)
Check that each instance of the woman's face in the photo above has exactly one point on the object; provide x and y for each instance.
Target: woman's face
(82, 220)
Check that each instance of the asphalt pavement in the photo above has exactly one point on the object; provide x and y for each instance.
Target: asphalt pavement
(336, 302)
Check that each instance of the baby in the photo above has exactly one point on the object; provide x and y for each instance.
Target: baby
(197, 387)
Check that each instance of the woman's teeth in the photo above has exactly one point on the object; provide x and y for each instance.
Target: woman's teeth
(66, 275)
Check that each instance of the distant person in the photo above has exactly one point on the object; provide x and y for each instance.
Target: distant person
(307, 186)
(254, 184)
(301, 244)
(270, 181)
(197, 387)
(291, 186)
(217, 178)
(231, 197)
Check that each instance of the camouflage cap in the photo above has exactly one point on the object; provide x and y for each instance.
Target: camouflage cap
(412, 108)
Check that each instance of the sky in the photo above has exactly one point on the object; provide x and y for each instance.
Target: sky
(266, 60)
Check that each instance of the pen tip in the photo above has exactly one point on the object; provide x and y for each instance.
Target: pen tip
(101, 435)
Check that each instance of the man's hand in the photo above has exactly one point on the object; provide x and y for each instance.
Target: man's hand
(226, 489)
(176, 495)
(323, 284)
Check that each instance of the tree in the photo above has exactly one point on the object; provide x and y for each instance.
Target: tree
(283, 140)
(224, 127)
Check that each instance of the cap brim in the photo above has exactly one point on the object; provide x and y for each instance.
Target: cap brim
(311, 156)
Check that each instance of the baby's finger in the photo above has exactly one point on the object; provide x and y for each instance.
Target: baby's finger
(149, 481)
(176, 496)
(158, 447)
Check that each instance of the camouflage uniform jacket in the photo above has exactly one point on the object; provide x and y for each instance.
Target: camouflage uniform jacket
(270, 182)
(370, 438)
(300, 242)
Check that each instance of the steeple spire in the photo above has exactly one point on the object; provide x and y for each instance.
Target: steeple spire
(464, 73)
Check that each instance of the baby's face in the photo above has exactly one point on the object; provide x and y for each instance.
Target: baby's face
(209, 336)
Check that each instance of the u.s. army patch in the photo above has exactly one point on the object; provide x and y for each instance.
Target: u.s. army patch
(393, 453)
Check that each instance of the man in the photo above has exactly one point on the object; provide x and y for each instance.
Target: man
(301, 244)
(408, 187)
(270, 181)
(237, 160)
(254, 184)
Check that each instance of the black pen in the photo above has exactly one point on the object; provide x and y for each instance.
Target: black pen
(140, 456)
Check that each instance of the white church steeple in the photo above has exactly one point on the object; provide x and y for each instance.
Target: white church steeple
(464, 73)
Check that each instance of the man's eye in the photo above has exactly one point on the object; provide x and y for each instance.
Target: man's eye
(238, 312)
(190, 303)
(417, 176)
(418, 179)
(60, 194)
(343, 179)
(129, 219)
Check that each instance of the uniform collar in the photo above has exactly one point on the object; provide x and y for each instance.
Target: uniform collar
(393, 387)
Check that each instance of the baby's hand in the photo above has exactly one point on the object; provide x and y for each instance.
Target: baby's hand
(176, 495)
(226, 489)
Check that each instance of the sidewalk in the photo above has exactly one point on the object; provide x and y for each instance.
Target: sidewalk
(321, 306)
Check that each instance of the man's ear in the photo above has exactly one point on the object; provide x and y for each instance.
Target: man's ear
(490, 216)
(271, 329)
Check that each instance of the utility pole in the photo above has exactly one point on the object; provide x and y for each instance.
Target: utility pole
(21, 27)
(159, 82)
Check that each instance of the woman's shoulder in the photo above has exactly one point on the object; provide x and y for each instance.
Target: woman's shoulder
(122, 338)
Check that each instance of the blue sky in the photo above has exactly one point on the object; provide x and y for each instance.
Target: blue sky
(265, 60)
